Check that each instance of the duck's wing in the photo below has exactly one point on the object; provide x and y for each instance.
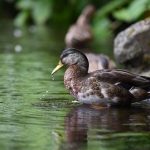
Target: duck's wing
(123, 78)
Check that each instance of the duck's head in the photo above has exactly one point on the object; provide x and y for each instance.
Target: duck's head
(72, 56)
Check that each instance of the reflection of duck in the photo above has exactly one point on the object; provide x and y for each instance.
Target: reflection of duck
(84, 122)
(80, 35)
(104, 87)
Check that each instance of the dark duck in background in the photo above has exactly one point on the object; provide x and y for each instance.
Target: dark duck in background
(102, 87)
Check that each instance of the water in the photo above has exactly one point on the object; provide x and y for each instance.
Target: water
(37, 112)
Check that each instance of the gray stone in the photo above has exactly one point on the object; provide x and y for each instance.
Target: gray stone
(132, 43)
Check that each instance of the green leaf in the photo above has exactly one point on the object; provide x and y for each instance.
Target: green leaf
(101, 27)
(133, 11)
(41, 11)
(21, 19)
(123, 14)
(108, 8)
(24, 4)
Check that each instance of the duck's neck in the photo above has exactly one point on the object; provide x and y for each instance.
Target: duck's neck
(86, 15)
(72, 78)
(83, 20)
(75, 72)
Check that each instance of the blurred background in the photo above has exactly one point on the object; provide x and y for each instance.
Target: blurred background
(111, 16)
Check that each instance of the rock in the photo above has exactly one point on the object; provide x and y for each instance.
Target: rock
(132, 43)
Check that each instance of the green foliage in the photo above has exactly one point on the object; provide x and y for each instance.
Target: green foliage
(21, 18)
(39, 10)
(102, 25)
(133, 11)
(102, 35)
(110, 7)
(42, 11)
(121, 11)
(109, 16)
(66, 11)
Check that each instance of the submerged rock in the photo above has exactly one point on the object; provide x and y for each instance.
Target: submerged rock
(132, 43)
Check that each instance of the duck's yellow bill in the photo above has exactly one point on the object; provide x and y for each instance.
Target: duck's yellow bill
(57, 67)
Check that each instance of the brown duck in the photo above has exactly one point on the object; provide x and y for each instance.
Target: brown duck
(101, 87)
(79, 35)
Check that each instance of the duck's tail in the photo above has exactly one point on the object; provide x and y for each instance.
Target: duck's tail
(146, 77)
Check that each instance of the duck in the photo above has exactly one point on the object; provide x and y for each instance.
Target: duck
(106, 87)
(99, 61)
(79, 35)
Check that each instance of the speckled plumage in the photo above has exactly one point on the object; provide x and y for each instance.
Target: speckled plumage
(104, 87)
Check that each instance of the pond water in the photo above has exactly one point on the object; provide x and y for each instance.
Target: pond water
(38, 113)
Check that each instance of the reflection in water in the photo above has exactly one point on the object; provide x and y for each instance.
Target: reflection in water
(82, 120)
